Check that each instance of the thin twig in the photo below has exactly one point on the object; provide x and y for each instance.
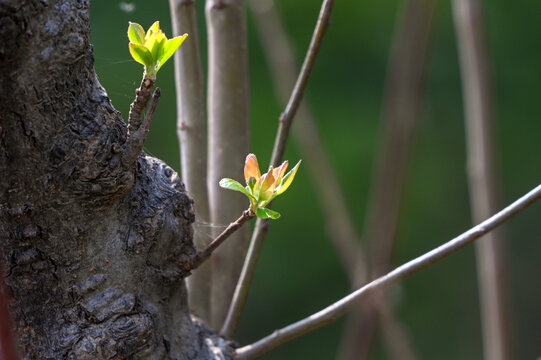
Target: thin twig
(334, 311)
(260, 229)
(282, 63)
(137, 136)
(245, 279)
(286, 119)
(204, 254)
(483, 174)
(192, 139)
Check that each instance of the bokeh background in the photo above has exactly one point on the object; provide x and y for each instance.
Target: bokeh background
(299, 272)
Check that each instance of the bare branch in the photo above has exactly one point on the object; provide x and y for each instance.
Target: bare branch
(332, 312)
(192, 136)
(204, 254)
(282, 63)
(228, 141)
(286, 119)
(261, 226)
(483, 174)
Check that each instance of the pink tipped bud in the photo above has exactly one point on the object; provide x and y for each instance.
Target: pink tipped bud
(279, 172)
(251, 168)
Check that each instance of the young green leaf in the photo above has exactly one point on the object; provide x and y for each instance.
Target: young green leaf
(140, 54)
(264, 187)
(279, 172)
(155, 44)
(169, 49)
(136, 33)
(155, 27)
(287, 180)
(265, 213)
(231, 184)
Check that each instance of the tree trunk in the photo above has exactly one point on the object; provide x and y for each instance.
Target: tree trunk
(93, 246)
(192, 138)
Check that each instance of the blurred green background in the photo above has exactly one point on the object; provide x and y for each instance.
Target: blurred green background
(299, 272)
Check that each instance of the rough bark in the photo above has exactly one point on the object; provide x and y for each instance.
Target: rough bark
(93, 247)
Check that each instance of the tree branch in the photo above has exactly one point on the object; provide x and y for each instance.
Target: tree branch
(137, 136)
(282, 63)
(204, 254)
(483, 174)
(192, 138)
(142, 96)
(286, 119)
(261, 226)
(332, 312)
(228, 140)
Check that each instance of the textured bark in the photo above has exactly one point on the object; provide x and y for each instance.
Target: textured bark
(93, 247)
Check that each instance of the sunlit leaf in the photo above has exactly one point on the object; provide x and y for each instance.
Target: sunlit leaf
(155, 44)
(231, 184)
(169, 49)
(279, 172)
(264, 187)
(287, 180)
(140, 54)
(264, 213)
(155, 27)
(251, 168)
(136, 33)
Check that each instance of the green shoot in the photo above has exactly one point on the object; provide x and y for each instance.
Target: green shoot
(152, 48)
(262, 189)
